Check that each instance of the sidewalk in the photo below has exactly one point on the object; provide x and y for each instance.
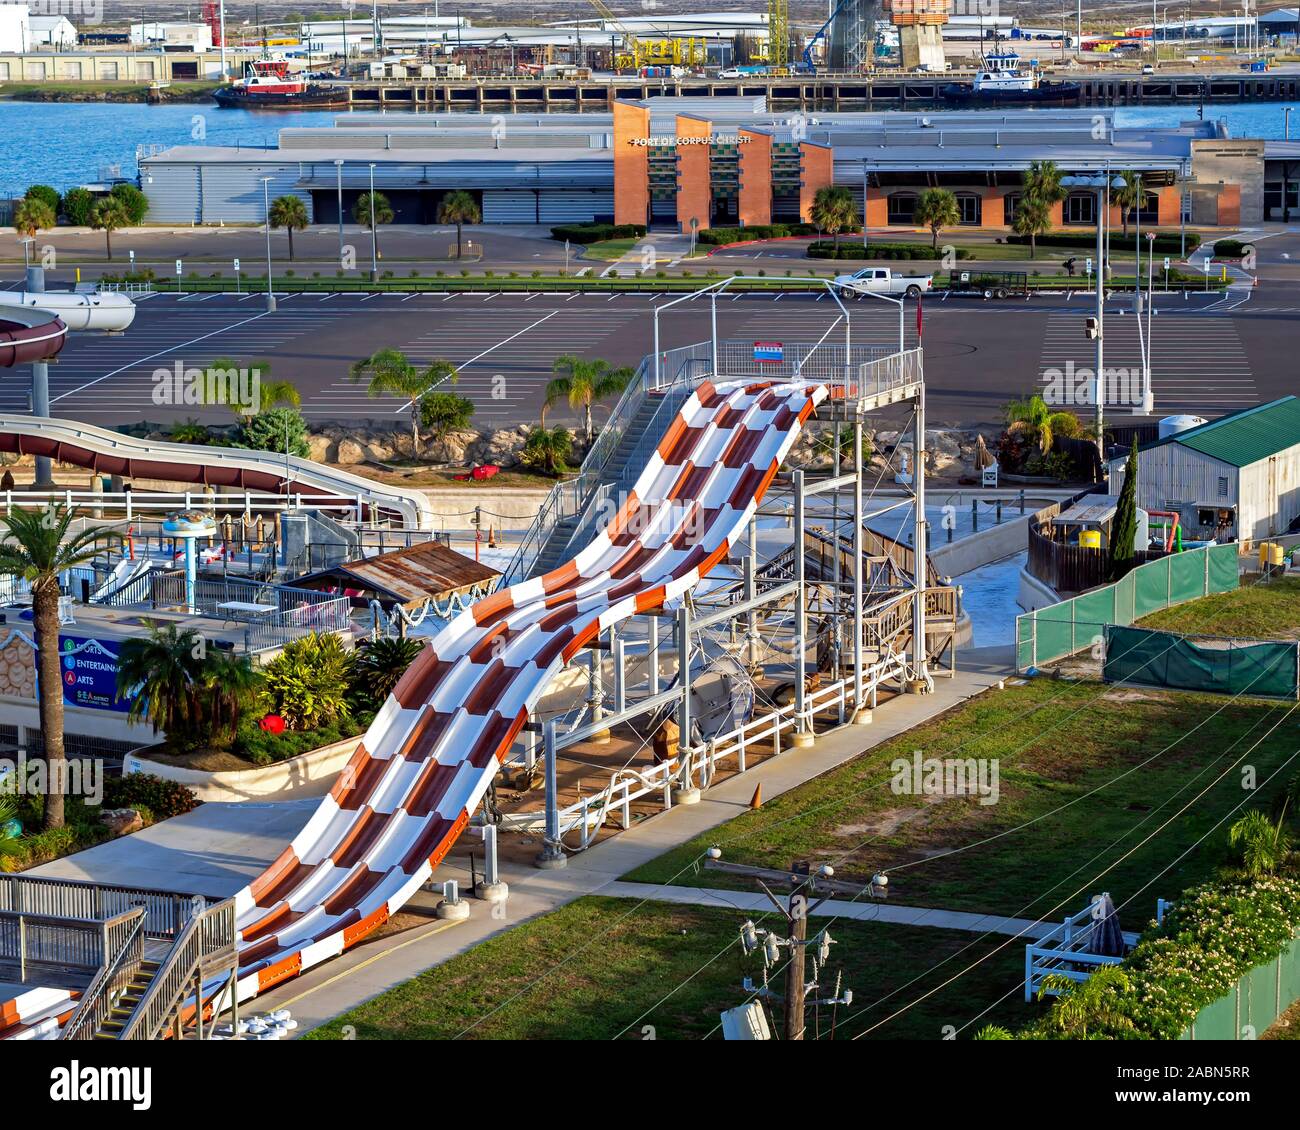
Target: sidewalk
(360, 974)
(860, 910)
(655, 249)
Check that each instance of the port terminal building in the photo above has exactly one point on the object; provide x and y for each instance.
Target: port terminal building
(674, 163)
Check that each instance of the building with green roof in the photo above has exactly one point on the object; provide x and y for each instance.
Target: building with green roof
(1234, 477)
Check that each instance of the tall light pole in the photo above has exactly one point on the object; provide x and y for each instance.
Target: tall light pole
(266, 206)
(338, 176)
(221, 31)
(374, 239)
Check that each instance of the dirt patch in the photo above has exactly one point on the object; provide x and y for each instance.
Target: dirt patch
(203, 760)
(1128, 694)
(886, 822)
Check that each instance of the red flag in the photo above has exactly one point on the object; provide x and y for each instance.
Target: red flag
(918, 319)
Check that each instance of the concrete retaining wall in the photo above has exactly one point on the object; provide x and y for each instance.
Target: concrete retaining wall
(307, 775)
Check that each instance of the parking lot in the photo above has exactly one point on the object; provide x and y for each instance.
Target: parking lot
(1211, 353)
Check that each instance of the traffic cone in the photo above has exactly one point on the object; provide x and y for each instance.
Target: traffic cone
(492, 538)
(756, 801)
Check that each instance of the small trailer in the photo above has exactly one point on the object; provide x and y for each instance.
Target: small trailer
(989, 284)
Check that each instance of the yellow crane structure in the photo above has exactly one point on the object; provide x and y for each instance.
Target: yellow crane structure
(778, 35)
(661, 52)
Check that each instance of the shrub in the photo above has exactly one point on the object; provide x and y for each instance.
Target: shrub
(718, 236)
(825, 249)
(77, 206)
(596, 233)
(380, 663)
(162, 797)
(262, 748)
(133, 200)
(307, 683)
(1230, 248)
(273, 428)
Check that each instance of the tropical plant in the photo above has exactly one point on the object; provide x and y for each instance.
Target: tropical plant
(1041, 189)
(228, 684)
(1128, 196)
(390, 371)
(442, 413)
(834, 210)
(383, 212)
(275, 429)
(159, 675)
(39, 545)
(269, 393)
(32, 215)
(993, 1032)
(107, 216)
(163, 797)
(307, 683)
(77, 206)
(547, 450)
(135, 203)
(1123, 531)
(191, 431)
(936, 209)
(582, 383)
(459, 208)
(381, 663)
(1264, 845)
(1029, 417)
(46, 194)
(290, 213)
(1085, 1006)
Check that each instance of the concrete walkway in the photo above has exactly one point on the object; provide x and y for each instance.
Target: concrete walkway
(860, 910)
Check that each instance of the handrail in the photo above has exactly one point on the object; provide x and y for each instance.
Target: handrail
(98, 1000)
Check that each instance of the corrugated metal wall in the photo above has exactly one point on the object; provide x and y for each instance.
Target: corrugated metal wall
(559, 207)
(216, 192)
(502, 206)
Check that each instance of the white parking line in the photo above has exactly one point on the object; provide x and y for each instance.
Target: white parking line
(160, 353)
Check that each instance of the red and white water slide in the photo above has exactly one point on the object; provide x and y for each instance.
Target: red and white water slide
(434, 747)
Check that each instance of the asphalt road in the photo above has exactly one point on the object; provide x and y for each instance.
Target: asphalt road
(1211, 354)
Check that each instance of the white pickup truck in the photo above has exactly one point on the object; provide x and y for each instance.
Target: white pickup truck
(881, 280)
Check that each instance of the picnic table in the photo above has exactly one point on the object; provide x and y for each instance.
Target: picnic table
(246, 609)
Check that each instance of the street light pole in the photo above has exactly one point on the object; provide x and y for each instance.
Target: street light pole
(266, 205)
(338, 172)
(374, 239)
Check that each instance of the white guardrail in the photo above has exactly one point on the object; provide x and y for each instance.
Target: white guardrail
(140, 503)
(700, 762)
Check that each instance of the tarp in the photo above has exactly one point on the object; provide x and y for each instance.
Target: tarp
(1165, 659)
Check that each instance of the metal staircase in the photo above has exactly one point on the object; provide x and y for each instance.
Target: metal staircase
(121, 1009)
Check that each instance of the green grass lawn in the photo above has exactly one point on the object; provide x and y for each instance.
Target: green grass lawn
(1056, 744)
(608, 249)
(601, 969)
(1259, 611)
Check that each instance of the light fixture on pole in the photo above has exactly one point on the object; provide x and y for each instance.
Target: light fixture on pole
(338, 176)
(374, 239)
(1148, 394)
(266, 205)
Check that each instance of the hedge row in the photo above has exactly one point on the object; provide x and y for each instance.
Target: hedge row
(1165, 242)
(825, 249)
(597, 233)
(719, 236)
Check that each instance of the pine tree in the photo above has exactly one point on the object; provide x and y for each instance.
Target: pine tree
(1124, 529)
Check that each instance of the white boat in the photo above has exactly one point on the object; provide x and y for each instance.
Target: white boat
(1000, 79)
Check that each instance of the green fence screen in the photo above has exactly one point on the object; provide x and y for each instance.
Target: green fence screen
(1062, 629)
(1223, 666)
(1258, 999)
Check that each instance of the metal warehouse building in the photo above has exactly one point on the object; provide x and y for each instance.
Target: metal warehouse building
(1236, 477)
(705, 162)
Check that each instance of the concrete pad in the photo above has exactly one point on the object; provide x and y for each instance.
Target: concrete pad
(214, 850)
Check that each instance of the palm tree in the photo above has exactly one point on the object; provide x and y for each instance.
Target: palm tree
(1041, 190)
(228, 684)
(270, 394)
(459, 208)
(290, 213)
(1087, 1004)
(382, 662)
(1032, 219)
(32, 214)
(547, 450)
(38, 546)
(383, 211)
(442, 413)
(1265, 845)
(390, 371)
(1030, 417)
(160, 675)
(936, 208)
(834, 210)
(1128, 196)
(582, 383)
(107, 216)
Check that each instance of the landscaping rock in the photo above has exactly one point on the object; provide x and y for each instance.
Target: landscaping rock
(121, 821)
(350, 452)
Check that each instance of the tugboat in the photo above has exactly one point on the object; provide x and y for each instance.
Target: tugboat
(269, 86)
(1000, 80)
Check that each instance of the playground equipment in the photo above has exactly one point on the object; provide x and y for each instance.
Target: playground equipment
(189, 527)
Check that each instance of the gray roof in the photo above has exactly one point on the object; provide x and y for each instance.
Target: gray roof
(228, 155)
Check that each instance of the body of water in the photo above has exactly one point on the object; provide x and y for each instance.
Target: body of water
(70, 143)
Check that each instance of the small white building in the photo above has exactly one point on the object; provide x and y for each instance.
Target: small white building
(15, 29)
(1237, 477)
(172, 36)
(57, 32)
